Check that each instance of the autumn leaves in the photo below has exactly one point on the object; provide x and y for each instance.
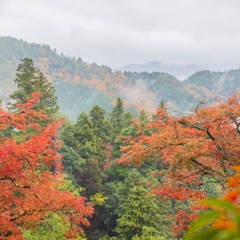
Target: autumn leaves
(30, 188)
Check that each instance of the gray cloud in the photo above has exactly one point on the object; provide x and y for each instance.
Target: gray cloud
(117, 32)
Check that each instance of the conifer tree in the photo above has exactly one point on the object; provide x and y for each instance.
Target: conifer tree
(139, 213)
(119, 118)
(87, 166)
(100, 123)
(29, 79)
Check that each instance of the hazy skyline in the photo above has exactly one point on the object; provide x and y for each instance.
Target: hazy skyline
(116, 33)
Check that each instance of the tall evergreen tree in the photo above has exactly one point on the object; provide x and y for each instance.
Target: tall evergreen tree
(130, 211)
(86, 140)
(29, 79)
(119, 118)
(99, 122)
(139, 212)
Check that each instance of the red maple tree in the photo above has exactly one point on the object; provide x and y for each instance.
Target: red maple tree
(206, 142)
(30, 174)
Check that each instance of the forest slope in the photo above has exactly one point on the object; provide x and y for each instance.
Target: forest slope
(80, 85)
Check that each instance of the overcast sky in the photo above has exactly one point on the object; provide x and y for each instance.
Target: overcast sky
(117, 32)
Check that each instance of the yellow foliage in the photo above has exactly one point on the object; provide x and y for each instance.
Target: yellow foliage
(98, 199)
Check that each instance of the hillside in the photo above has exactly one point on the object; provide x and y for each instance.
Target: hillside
(73, 78)
(222, 83)
(80, 85)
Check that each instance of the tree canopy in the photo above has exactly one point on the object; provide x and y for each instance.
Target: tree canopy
(31, 176)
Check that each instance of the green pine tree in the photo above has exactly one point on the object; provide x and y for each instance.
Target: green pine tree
(100, 124)
(84, 139)
(29, 79)
(119, 118)
(131, 212)
(139, 212)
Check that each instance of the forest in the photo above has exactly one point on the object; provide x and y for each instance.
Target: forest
(79, 85)
(116, 175)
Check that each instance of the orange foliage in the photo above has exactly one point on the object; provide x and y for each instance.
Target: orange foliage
(29, 191)
(183, 219)
(233, 187)
(204, 143)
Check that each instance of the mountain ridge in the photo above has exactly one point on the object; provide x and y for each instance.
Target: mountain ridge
(180, 71)
(80, 85)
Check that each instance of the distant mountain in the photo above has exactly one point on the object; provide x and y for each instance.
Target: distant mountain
(179, 71)
(221, 84)
(80, 85)
(163, 87)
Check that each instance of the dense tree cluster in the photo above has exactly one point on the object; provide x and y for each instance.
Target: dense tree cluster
(112, 175)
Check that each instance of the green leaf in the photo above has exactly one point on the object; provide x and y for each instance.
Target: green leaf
(224, 205)
(204, 220)
(209, 234)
